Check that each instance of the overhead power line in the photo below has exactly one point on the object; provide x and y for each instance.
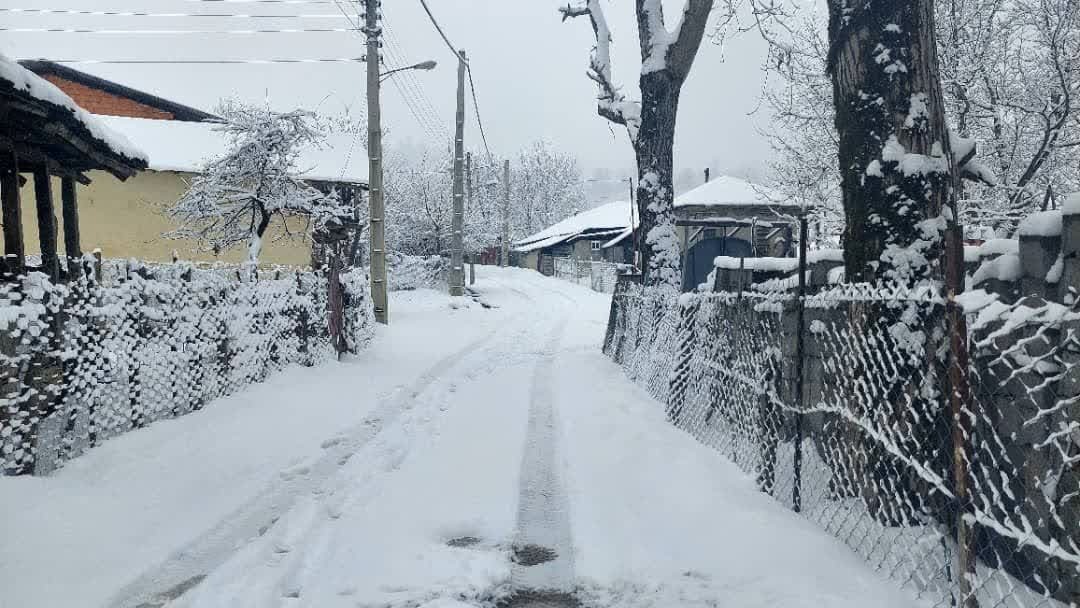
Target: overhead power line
(207, 61)
(431, 126)
(438, 28)
(62, 30)
(411, 79)
(476, 109)
(263, 1)
(89, 13)
(472, 84)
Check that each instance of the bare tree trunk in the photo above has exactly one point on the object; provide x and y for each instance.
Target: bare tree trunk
(660, 257)
(895, 158)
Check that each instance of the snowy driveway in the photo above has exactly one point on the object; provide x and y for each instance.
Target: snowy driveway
(470, 453)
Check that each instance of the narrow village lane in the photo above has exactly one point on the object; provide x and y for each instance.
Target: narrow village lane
(473, 454)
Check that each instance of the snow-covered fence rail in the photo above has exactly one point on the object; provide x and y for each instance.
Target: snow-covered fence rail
(85, 361)
(965, 488)
(596, 275)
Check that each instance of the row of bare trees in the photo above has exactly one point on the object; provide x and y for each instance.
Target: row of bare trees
(546, 185)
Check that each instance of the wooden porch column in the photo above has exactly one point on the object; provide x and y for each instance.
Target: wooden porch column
(72, 246)
(46, 221)
(12, 216)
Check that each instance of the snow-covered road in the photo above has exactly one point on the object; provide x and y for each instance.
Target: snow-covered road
(470, 453)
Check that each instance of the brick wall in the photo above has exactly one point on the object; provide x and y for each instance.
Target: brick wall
(101, 102)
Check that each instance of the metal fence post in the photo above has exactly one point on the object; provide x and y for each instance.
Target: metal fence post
(800, 355)
(960, 403)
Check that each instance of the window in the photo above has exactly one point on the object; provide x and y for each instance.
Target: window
(596, 245)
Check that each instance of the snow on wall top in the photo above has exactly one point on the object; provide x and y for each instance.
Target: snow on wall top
(610, 216)
(1072, 204)
(185, 147)
(1044, 223)
(727, 191)
(27, 82)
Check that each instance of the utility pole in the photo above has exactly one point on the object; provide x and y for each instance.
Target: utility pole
(468, 181)
(469, 203)
(506, 214)
(376, 206)
(457, 247)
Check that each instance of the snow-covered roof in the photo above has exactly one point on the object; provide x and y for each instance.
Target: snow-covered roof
(608, 219)
(727, 191)
(185, 147)
(27, 83)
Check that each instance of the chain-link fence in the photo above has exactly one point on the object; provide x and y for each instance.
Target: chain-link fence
(596, 275)
(86, 360)
(942, 445)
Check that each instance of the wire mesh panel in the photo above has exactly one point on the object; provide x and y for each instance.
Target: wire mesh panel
(952, 466)
(596, 275)
(85, 361)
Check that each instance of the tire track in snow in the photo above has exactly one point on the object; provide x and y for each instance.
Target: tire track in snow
(187, 567)
(543, 508)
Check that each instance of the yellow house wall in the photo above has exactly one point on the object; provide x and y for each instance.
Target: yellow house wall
(127, 220)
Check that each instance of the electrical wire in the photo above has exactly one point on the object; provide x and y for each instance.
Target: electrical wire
(410, 89)
(411, 78)
(461, 57)
(263, 1)
(439, 29)
(424, 121)
(476, 110)
(58, 30)
(89, 13)
(205, 61)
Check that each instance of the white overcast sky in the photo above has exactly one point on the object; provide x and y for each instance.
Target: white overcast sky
(529, 69)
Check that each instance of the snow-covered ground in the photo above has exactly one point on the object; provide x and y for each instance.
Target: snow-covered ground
(407, 476)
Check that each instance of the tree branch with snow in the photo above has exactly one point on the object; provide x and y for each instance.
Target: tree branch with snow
(612, 103)
(235, 197)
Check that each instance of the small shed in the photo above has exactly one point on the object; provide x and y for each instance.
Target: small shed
(43, 133)
(732, 217)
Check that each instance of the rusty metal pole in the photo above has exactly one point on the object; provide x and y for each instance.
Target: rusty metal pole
(960, 405)
(800, 355)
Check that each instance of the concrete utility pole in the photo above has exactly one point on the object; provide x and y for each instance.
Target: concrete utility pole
(468, 181)
(506, 214)
(457, 247)
(376, 206)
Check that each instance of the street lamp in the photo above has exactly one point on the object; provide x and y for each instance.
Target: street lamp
(423, 65)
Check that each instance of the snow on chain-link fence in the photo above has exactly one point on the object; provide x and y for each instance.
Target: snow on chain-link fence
(965, 488)
(90, 359)
(596, 275)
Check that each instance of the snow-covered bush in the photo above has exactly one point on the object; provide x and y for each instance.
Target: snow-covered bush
(409, 272)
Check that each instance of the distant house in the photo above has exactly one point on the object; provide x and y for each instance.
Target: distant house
(733, 217)
(601, 234)
(127, 219)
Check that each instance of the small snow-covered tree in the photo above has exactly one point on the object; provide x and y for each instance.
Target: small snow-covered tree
(546, 187)
(666, 59)
(236, 196)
